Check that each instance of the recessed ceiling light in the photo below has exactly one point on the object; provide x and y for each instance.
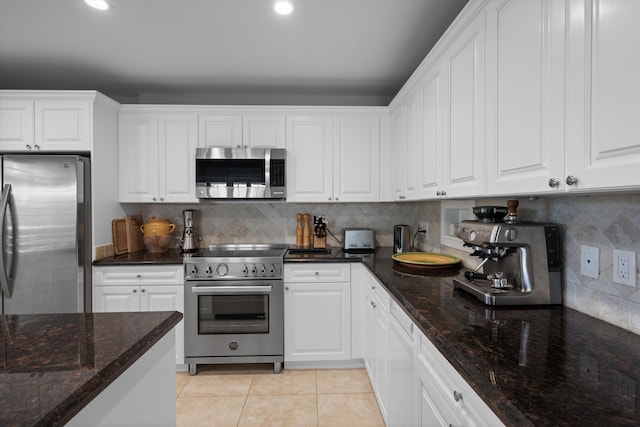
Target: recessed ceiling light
(98, 4)
(283, 7)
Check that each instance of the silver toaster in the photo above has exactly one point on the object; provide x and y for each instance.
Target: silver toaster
(359, 239)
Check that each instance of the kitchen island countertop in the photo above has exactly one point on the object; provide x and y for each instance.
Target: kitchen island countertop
(54, 365)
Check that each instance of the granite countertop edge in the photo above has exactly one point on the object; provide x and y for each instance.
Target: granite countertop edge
(81, 397)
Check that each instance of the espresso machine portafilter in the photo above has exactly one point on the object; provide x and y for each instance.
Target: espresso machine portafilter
(189, 241)
(520, 263)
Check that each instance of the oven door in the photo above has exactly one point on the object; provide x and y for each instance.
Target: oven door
(234, 318)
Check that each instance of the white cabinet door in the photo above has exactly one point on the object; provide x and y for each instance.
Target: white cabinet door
(177, 144)
(356, 159)
(413, 152)
(264, 130)
(309, 159)
(399, 150)
(603, 135)
(63, 125)
(138, 157)
(317, 322)
(401, 386)
(220, 130)
(157, 157)
(427, 156)
(166, 298)
(525, 87)
(463, 148)
(116, 298)
(16, 125)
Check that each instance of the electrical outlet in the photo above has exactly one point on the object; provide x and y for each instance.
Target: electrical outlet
(624, 267)
(423, 226)
(589, 261)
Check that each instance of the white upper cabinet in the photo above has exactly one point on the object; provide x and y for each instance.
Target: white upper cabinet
(249, 130)
(309, 159)
(264, 130)
(34, 125)
(525, 95)
(438, 126)
(603, 95)
(463, 150)
(425, 148)
(157, 157)
(16, 124)
(220, 130)
(356, 161)
(333, 158)
(398, 150)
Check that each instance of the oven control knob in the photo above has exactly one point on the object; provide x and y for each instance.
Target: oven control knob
(263, 269)
(254, 270)
(272, 269)
(245, 270)
(222, 270)
(207, 270)
(194, 270)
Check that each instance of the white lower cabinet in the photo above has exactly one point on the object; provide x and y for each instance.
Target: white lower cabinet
(376, 340)
(317, 313)
(445, 397)
(402, 404)
(141, 288)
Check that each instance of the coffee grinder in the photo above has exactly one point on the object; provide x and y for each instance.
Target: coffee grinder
(189, 241)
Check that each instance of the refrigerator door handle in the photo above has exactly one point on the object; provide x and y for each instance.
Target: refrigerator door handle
(5, 280)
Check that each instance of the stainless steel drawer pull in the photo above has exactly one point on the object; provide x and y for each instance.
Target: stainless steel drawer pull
(457, 396)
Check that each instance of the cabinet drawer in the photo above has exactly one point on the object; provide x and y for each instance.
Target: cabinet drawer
(457, 393)
(377, 292)
(139, 275)
(405, 322)
(308, 273)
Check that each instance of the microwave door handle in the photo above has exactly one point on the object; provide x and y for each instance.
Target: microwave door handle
(221, 290)
(5, 279)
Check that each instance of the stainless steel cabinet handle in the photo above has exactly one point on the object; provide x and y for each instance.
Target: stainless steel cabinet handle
(135, 291)
(571, 180)
(401, 197)
(142, 290)
(138, 276)
(553, 182)
(329, 198)
(457, 396)
(286, 288)
(37, 147)
(438, 193)
(28, 147)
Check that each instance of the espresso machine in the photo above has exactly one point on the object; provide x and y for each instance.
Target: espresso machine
(520, 262)
(189, 241)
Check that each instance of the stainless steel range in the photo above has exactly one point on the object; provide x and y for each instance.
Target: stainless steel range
(234, 305)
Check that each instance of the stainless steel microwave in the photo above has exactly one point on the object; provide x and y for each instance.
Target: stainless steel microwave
(240, 173)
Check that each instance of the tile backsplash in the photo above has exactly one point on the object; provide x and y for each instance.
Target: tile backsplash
(604, 221)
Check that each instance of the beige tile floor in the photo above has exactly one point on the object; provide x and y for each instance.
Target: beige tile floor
(257, 397)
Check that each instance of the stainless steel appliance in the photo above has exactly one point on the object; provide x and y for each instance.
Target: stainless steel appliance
(240, 173)
(45, 229)
(234, 305)
(401, 238)
(189, 242)
(520, 262)
(359, 240)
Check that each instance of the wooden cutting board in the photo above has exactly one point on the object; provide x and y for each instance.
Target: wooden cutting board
(119, 234)
(135, 241)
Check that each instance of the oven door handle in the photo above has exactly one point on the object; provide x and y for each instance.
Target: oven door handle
(217, 290)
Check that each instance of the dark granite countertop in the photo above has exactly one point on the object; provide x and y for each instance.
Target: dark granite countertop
(172, 256)
(53, 365)
(540, 366)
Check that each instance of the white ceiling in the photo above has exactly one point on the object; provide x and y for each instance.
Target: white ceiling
(240, 51)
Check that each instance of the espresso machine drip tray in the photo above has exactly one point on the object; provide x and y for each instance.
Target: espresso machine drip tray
(486, 291)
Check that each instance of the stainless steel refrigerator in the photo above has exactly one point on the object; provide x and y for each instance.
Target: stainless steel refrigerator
(45, 218)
